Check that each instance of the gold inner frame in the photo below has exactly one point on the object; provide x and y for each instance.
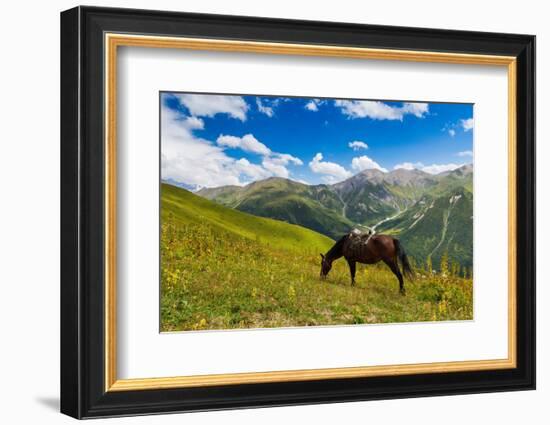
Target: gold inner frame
(113, 41)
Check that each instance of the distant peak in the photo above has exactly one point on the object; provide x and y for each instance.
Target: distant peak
(467, 168)
(372, 171)
(270, 179)
(275, 179)
(415, 171)
(464, 170)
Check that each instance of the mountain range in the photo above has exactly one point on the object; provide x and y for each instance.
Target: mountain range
(431, 214)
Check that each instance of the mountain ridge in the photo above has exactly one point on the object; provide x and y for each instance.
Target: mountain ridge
(388, 201)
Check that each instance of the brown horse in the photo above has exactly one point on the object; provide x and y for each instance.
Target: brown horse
(368, 249)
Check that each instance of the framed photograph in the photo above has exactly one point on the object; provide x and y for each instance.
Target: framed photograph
(261, 212)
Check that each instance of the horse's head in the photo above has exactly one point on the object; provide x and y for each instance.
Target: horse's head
(326, 265)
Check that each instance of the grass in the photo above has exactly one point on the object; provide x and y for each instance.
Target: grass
(314, 207)
(183, 207)
(224, 269)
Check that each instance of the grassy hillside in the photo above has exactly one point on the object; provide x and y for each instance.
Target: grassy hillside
(371, 198)
(436, 226)
(315, 207)
(225, 269)
(181, 206)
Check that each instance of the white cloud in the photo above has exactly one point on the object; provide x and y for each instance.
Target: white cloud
(409, 166)
(363, 162)
(377, 110)
(195, 161)
(357, 145)
(276, 164)
(465, 153)
(331, 179)
(273, 162)
(431, 169)
(247, 143)
(192, 160)
(253, 171)
(364, 108)
(264, 109)
(208, 105)
(313, 105)
(452, 132)
(467, 124)
(332, 172)
(439, 168)
(276, 168)
(192, 123)
(417, 109)
(285, 158)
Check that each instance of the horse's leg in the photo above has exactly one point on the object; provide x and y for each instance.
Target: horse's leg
(392, 264)
(351, 265)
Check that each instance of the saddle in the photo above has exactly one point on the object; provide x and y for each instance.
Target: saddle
(359, 239)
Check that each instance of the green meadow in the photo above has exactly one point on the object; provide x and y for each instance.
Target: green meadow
(225, 269)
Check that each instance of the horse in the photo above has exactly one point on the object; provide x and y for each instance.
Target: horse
(356, 248)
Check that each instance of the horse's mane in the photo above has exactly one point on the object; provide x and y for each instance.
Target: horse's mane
(336, 250)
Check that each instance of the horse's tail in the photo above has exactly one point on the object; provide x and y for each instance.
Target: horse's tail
(402, 256)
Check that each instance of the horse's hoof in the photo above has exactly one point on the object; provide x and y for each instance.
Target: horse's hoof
(403, 292)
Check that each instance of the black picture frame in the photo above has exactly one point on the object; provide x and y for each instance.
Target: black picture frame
(83, 392)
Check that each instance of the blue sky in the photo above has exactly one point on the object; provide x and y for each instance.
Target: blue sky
(214, 140)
